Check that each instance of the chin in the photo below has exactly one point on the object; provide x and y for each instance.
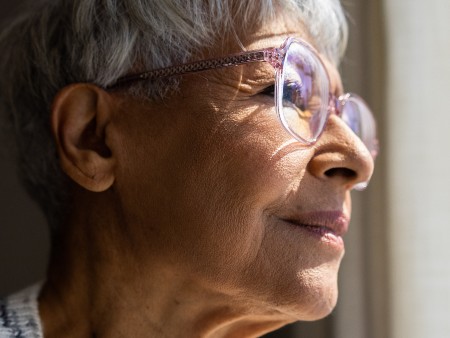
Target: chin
(312, 298)
(322, 308)
(317, 303)
(312, 309)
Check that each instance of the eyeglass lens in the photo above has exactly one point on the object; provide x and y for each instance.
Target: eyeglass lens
(304, 97)
(305, 93)
(357, 115)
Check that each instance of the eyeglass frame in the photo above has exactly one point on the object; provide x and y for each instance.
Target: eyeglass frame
(272, 55)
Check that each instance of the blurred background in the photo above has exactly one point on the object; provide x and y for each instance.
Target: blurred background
(395, 278)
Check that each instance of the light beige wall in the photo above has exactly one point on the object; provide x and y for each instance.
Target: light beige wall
(418, 149)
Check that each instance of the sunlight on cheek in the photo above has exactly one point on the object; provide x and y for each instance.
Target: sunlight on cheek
(282, 147)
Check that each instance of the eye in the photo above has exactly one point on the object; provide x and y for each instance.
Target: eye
(294, 93)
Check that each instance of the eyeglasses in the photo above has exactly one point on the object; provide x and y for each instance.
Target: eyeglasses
(303, 98)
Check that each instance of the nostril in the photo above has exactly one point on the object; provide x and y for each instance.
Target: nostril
(343, 172)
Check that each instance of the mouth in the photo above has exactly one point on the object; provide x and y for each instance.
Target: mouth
(328, 226)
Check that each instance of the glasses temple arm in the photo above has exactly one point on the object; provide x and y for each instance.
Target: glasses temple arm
(271, 55)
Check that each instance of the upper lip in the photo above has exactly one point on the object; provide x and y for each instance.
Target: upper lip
(336, 221)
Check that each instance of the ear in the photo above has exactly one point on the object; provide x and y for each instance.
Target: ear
(80, 117)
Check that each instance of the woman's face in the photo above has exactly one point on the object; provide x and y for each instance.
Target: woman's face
(212, 186)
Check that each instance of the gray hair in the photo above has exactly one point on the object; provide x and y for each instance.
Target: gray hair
(58, 42)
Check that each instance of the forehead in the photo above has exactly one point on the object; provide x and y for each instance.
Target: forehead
(274, 32)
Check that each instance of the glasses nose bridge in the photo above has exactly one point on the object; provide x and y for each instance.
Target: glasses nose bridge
(334, 105)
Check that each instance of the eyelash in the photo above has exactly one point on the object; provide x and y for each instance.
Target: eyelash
(269, 91)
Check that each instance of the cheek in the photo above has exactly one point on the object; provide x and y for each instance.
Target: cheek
(196, 196)
(241, 171)
(194, 193)
(259, 156)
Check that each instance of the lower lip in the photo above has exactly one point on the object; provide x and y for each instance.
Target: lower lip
(324, 235)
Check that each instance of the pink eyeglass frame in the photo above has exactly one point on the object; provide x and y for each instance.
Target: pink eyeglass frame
(274, 56)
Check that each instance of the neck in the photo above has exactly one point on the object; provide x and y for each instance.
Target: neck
(98, 286)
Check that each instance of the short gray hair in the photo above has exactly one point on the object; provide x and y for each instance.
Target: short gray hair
(58, 42)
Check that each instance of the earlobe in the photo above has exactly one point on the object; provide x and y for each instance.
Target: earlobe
(80, 117)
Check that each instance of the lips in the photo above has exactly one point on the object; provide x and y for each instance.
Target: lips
(321, 222)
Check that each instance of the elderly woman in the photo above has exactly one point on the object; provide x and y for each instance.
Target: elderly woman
(194, 160)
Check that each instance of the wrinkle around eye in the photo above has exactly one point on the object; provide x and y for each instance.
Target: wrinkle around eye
(255, 86)
(268, 91)
(248, 79)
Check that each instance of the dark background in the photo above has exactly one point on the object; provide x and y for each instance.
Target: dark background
(23, 233)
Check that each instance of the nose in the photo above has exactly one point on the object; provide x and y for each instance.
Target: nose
(340, 157)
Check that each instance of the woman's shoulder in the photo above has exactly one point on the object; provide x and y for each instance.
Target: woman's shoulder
(19, 317)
